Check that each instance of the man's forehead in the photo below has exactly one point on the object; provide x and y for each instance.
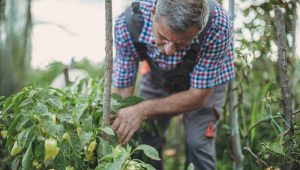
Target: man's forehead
(177, 37)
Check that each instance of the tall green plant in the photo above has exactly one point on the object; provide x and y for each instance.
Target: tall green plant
(48, 128)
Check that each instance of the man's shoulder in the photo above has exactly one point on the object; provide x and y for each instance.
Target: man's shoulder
(145, 7)
(121, 29)
(222, 20)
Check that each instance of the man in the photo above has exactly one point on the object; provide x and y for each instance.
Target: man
(192, 37)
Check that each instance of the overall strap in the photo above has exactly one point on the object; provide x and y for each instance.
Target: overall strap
(134, 22)
(191, 56)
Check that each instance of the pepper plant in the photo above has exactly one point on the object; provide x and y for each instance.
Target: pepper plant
(48, 128)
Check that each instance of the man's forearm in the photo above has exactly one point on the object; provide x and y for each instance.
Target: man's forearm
(124, 92)
(177, 103)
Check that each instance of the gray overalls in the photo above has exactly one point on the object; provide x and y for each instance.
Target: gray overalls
(199, 145)
(199, 149)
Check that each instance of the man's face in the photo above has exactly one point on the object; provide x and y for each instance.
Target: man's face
(168, 41)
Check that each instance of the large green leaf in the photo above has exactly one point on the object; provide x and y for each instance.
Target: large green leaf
(22, 122)
(55, 102)
(119, 162)
(149, 151)
(108, 131)
(16, 163)
(102, 166)
(39, 151)
(12, 126)
(277, 148)
(131, 100)
(40, 108)
(117, 102)
(23, 137)
(78, 111)
(27, 159)
(85, 137)
(59, 162)
(52, 128)
(26, 102)
(103, 147)
(75, 141)
(65, 148)
(147, 166)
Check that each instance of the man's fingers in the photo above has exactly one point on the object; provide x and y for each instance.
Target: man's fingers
(120, 130)
(116, 124)
(128, 137)
(124, 133)
(112, 118)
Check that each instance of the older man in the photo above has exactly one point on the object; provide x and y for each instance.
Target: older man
(188, 46)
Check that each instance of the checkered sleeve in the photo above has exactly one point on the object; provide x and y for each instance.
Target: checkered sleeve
(215, 60)
(125, 63)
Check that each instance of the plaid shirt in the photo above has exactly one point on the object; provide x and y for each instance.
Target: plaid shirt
(214, 63)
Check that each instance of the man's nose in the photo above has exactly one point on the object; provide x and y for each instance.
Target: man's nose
(170, 48)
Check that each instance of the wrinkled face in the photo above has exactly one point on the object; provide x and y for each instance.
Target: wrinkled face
(168, 41)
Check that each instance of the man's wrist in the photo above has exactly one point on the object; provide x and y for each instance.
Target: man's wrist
(145, 111)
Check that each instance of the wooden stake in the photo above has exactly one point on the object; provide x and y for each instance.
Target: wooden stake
(108, 62)
(234, 125)
(234, 119)
(284, 83)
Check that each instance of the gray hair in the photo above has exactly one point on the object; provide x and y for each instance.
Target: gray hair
(182, 14)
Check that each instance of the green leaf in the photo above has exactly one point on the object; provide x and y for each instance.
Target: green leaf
(41, 108)
(116, 97)
(118, 163)
(103, 165)
(65, 148)
(191, 166)
(117, 102)
(78, 111)
(55, 102)
(65, 118)
(32, 93)
(149, 151)
(108, 130)
(87, 123)
(147, 166)
(85, 137)
(103, 147)
(23, 137)
(75, 141)
(27, 160)
(52, 128)
(16, 163)
(59, 162)
(131, 100)
(21, 124)
(12, 127)
(277, 148)
(26, 102)
(39, 151)
(16, 100)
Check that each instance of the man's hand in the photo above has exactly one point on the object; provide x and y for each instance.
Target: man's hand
(128, 121)
(130, 118)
